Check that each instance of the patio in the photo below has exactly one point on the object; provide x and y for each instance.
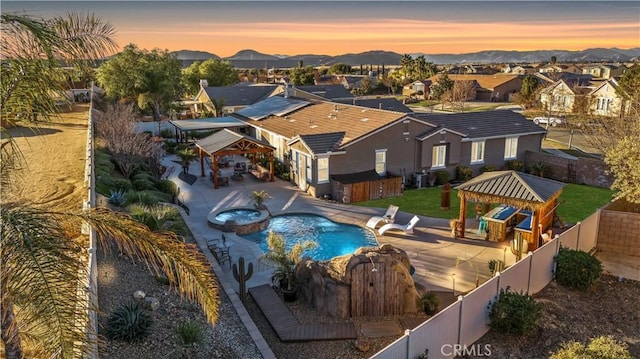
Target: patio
(439, 259)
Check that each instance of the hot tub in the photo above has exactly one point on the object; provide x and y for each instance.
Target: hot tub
(242, 220)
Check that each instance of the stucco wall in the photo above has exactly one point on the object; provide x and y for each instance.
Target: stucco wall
(619, 232)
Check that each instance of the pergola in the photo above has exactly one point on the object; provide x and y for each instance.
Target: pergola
(204, 124)
(536, 194)
(227, 142)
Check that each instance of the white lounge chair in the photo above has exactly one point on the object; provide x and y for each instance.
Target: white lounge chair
(407, 228)
(388, 217)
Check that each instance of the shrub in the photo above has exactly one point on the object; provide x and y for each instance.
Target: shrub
(117, 198)
(514, 313)
(170, 147)
(122, 184)
(599, 348)
(577, 269)
(142, 181)
(129, 322)
(141, 197)
(487, 168)
(515, 165)
(442, 176)
(166, 133)
(430, 302)
(167, 186)
(539, 169)
(463, 173)
(189, 332)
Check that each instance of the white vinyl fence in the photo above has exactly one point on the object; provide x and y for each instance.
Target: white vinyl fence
(90, 286)
(455, 329)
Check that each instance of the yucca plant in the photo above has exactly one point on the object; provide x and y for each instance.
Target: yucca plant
(189, 332)
(129, 322)
(117, 197)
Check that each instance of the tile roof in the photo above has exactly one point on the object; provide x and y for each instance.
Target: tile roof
(390, 104)
(328, 117)
(513, 184)
(239, 95)
(330, 92)
(323, 143)
(483, 124)
(486, 81)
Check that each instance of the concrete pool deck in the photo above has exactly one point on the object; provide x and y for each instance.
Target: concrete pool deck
(436, 256)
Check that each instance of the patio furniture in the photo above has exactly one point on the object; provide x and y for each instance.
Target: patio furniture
(407, 228)
(388, 217)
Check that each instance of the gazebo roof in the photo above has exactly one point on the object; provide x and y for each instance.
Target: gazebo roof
(510, 187)
(207, 123)
(227, 139)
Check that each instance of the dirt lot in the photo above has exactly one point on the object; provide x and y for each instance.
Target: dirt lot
(611, 308)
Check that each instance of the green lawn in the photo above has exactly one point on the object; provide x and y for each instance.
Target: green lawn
(577, 202)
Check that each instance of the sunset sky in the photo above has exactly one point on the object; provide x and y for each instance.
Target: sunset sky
(331, 28)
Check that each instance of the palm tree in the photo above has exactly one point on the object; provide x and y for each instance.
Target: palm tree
(43, 255)
(186, 156)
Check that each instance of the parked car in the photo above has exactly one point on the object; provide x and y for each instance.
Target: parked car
(553, 121)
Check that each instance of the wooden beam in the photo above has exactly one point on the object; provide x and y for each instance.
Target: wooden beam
(463, 212)
(215, 172)
(271, 171)
(201, 155)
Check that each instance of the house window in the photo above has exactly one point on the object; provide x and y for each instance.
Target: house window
(511, 148)
(438, 156)
(323, 169)
(381, 161)
(405, 130)
(477, 152)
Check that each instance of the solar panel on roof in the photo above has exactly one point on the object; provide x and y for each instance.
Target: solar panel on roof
(275, 105)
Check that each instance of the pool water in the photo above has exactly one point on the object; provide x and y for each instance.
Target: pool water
(334, 239)
(241, 216)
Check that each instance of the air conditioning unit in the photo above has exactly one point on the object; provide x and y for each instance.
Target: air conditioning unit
(420, 179)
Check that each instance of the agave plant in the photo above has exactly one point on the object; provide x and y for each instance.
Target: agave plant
(117, 197)
(129, 322)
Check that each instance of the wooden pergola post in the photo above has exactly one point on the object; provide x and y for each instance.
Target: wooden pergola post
(214, 160)
(462, 219)
(271, 171)
(201, 155)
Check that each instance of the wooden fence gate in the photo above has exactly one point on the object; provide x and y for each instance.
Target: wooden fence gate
(375, 292)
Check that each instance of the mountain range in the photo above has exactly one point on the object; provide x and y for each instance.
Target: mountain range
(255, 59)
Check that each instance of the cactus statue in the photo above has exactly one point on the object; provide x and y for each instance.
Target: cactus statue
(242, 277)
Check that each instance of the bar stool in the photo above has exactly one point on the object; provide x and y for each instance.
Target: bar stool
(482, 226)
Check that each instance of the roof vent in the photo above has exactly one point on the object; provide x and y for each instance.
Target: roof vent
(365, 119)
(313, 126)
(473, 128)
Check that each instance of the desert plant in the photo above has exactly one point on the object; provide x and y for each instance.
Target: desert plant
(258, 199)
(129, 322)
(463, 173)
(158, 217)
(285, 259)
(442, 176)
(142, 181)
(605, 347)
(141, 197)
(430, 302)
(539, 169)
(515, 165)
(495, 266)
(186, 156)
(189, 332)
(577, 269)
(117, 197)
(513, 313)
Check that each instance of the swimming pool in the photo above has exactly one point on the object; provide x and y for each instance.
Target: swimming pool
(334, 239)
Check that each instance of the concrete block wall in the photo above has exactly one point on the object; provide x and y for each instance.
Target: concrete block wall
(619, 232)
(591, 172)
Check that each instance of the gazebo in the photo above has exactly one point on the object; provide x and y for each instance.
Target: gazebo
(227, 142)
(533, 198)
(182, 127)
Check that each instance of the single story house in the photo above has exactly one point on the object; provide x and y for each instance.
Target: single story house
(233, 98)
(323, 140)
(497, 87)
